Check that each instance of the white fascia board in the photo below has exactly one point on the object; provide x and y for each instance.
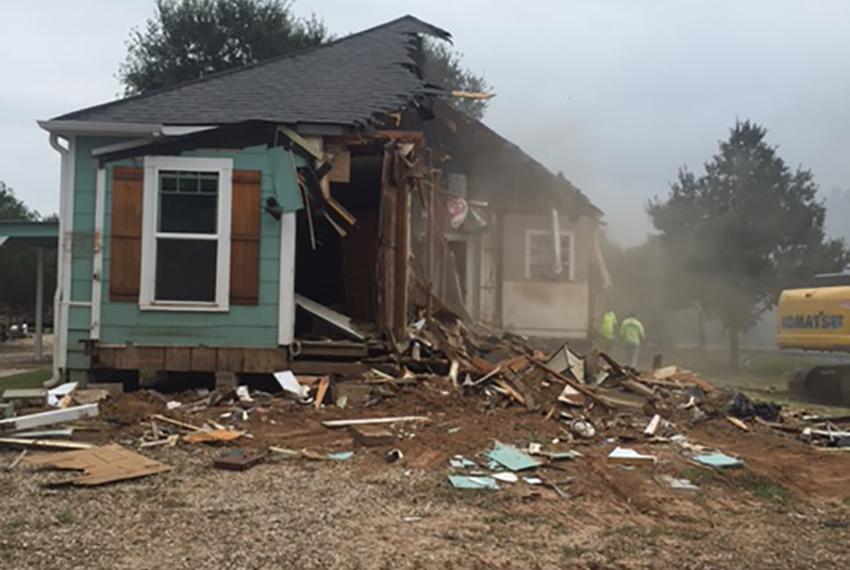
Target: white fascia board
(179, 130)
(101, 128)
(121, 129)
(110, 148)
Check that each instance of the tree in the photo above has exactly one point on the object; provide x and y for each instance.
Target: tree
(188, 39)
(11, 208)
(744, 230)
(444, 67)
(18, 264)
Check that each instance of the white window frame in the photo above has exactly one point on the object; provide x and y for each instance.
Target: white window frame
(528, 238)
(147, 288)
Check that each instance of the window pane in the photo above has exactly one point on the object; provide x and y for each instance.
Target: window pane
(209, 182)
(168, 180)
(188, 213)
(189, 182)
(188, 202)
(541, 254)
(185, 270)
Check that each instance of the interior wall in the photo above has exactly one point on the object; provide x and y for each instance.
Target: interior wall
(545, 307)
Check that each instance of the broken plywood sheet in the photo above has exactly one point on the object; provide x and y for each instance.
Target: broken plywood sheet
(100, 465)
(337, 320)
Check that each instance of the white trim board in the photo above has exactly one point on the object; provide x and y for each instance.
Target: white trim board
(97, 261)
(64, 257)
(286, 291)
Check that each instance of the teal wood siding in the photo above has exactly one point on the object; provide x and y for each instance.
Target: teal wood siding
(241, 326)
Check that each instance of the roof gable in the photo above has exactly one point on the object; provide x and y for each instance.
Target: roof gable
(344, 82)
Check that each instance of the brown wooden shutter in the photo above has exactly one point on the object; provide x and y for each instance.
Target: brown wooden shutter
(125, 257)
(245, 238)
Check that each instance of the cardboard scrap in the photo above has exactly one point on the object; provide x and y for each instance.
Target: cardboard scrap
(100, 465)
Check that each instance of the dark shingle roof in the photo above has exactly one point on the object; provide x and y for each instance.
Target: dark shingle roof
(344, 82)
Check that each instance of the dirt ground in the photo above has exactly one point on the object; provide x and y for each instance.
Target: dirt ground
(789, 507)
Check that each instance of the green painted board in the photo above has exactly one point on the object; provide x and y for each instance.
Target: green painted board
(511, 458)
(465, 482)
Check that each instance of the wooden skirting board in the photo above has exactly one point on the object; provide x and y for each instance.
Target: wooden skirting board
(189, 359)
(207, 359)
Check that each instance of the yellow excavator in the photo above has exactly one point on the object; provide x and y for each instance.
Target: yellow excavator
(817, 318)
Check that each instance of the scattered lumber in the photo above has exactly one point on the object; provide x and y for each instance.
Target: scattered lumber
(50, 417)
(367, 421)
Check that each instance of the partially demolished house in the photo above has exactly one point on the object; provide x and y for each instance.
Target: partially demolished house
(513, 271)
(235, 223)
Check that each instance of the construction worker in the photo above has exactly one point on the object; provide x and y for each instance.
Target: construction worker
(631, 335)
(607, 331)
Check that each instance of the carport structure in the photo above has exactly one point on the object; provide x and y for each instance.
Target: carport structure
(41, 236)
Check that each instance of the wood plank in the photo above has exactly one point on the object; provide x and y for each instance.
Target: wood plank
(178, 359)
(150, 358)
(334, 349)
(321, 368)
(375, 421)
(105, 358)
(125, 259)
(245, 237)
(44, 443)
(264, 360)
(203, 359)
(340, 165)
(321, 391)
(49, 417)
(402, 258)
(126, 358)
(230, 359)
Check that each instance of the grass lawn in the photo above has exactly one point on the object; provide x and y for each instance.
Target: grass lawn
(28, 379)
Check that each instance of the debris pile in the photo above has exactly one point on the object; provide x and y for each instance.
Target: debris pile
(407, 407)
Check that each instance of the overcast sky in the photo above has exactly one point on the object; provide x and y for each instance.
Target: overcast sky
(615, 94)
